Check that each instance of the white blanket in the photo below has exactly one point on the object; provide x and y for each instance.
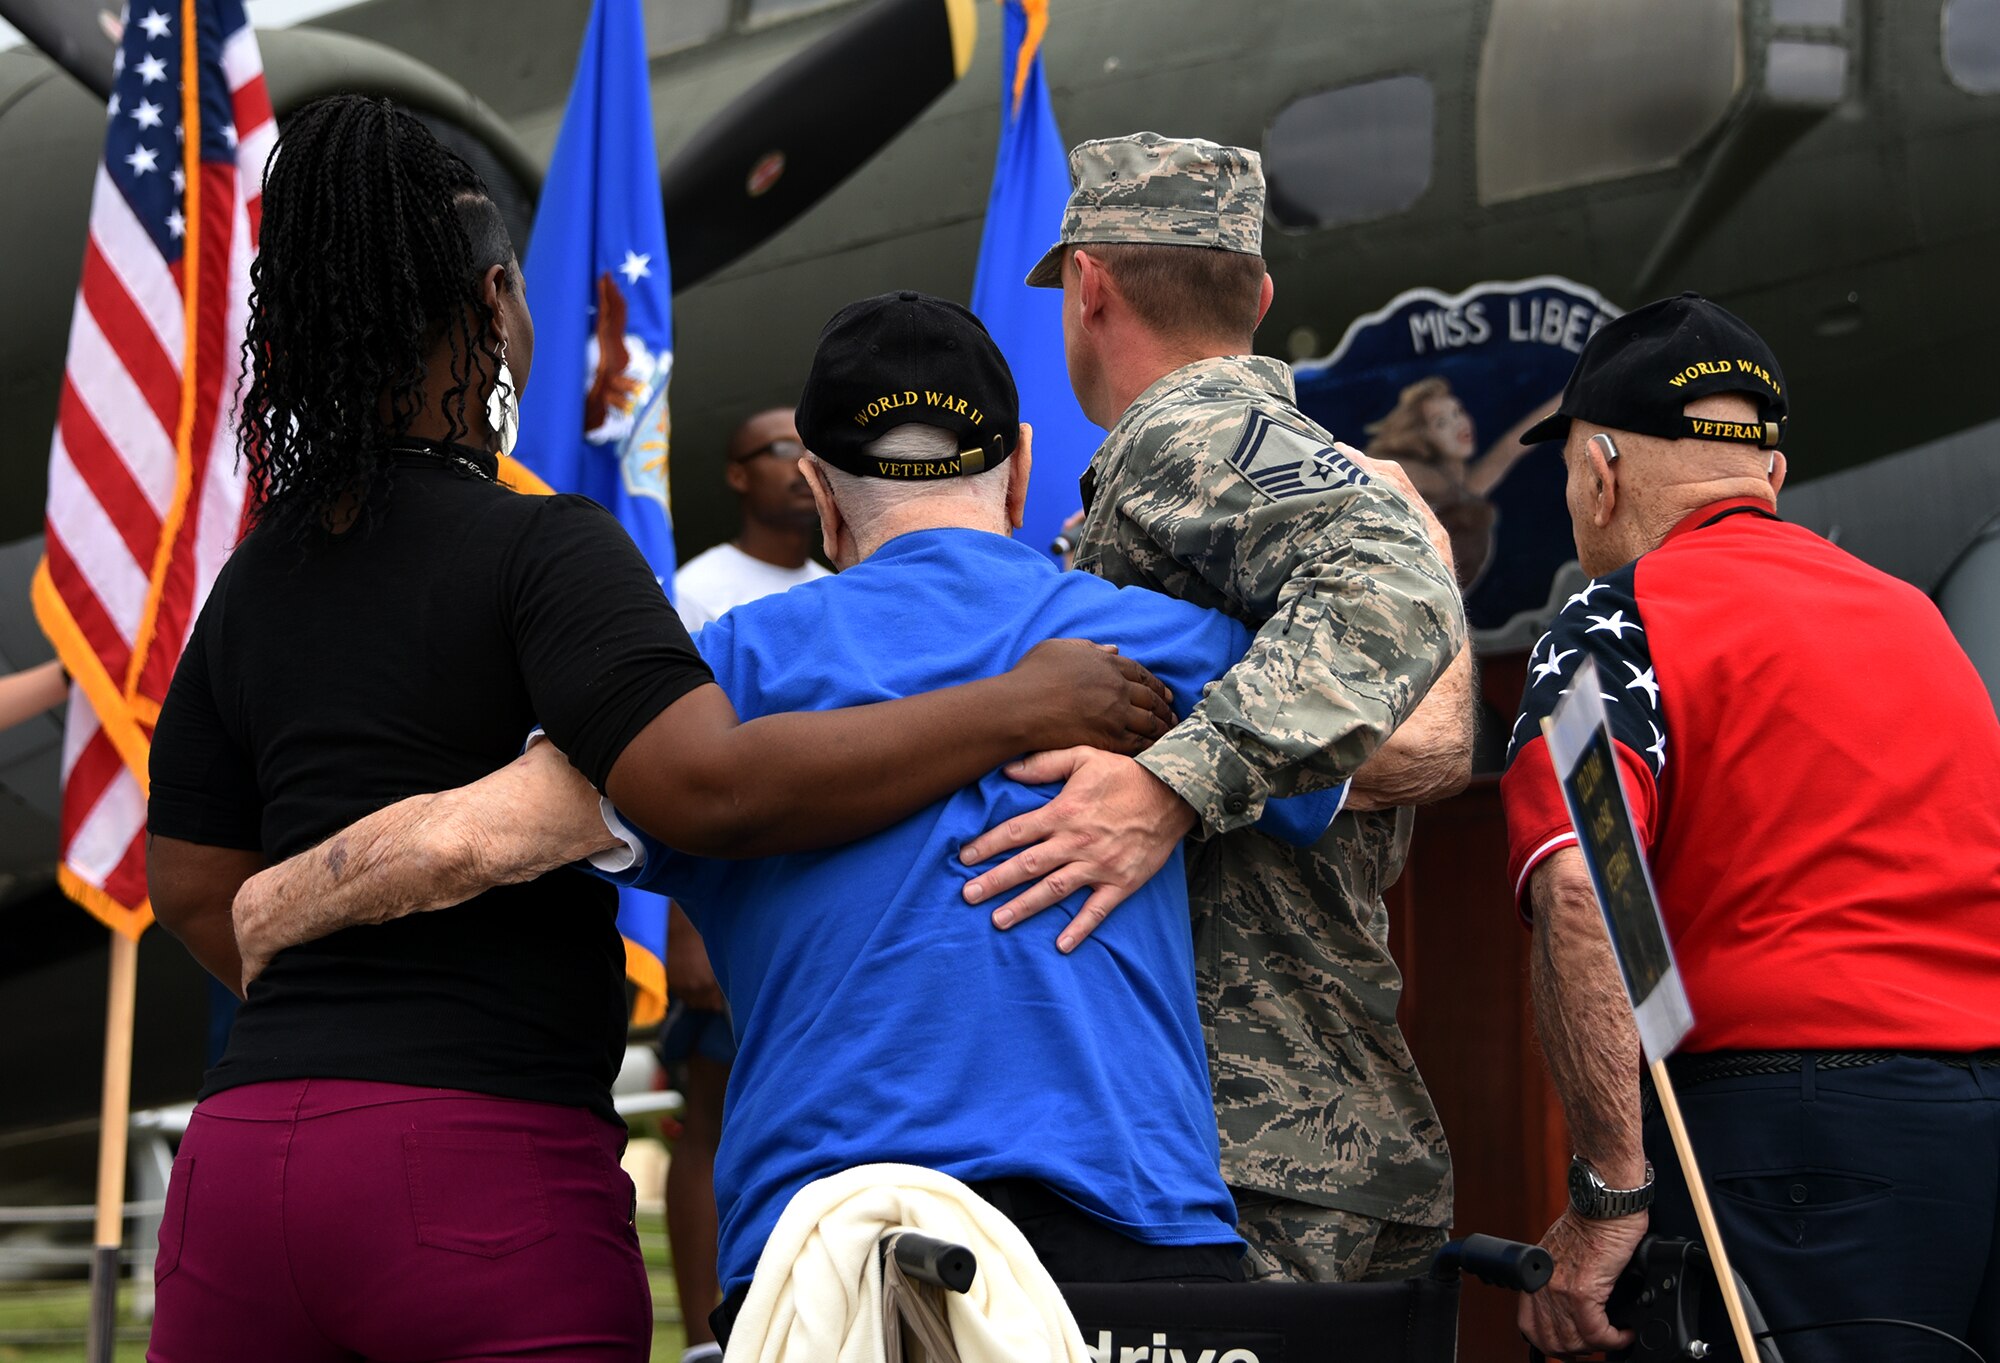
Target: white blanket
(817, 1296)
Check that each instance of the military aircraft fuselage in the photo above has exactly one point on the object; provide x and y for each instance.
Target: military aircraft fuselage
(1849, 214)
(1822, 167)
(1859, 235)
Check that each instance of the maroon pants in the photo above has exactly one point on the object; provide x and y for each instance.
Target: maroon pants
(339, 1220)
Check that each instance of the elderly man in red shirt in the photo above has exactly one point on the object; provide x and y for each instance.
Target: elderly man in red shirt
(1814, 767)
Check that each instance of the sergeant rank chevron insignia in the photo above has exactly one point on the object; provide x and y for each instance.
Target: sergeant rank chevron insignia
(1284, 461)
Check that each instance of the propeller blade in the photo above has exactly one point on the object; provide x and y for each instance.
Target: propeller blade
(807, 126)
(80, 38)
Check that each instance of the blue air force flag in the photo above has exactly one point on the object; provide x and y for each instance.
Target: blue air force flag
(1024, 214)
(594, 418)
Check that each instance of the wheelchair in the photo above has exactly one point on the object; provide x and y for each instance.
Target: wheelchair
(1414, 1320)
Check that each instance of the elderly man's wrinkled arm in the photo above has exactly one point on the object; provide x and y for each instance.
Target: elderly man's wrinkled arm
(1429, 755)
(424, 853)
(538, 813)
(1592, 1047)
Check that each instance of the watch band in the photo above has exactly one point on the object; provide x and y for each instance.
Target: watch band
(1594, 1200)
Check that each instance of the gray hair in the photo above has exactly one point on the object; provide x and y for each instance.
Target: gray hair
(866, 501)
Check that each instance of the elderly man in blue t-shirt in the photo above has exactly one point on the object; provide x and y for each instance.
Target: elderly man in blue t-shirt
(879, 1019)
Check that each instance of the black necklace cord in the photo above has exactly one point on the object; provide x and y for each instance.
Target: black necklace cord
(466, 459)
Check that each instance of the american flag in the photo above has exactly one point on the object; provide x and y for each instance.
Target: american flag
(145, 493)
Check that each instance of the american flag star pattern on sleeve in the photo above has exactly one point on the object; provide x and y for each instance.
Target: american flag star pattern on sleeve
(146, 494)
(1603, 622)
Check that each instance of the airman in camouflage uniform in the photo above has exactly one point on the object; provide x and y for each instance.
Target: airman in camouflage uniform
(1215, 488)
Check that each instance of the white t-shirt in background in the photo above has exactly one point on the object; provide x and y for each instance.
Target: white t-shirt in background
(719, 580)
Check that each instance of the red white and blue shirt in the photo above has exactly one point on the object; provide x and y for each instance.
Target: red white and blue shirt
(1813, 765)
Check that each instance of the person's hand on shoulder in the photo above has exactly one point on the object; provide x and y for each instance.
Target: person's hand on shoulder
(1386, 470)
(1111, 828)
(1398, 477)
(1075, 693)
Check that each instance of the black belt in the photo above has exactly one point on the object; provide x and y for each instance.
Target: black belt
(1712, 1065)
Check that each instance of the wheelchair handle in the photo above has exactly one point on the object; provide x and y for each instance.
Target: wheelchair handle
(936, 1262)
(1503, 1263)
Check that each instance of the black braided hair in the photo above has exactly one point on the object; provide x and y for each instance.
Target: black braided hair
(375, 241)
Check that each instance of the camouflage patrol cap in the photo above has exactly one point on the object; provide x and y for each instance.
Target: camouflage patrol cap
(1150, 190)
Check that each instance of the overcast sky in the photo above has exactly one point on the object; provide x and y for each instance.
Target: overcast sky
(263, 13)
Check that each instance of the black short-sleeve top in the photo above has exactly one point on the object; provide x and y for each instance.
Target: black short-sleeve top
(413, 655)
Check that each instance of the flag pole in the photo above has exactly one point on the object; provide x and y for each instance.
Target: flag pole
(1725, 1276)
(114, 1129)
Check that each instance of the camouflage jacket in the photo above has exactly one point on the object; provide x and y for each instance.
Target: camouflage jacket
(1214, 487)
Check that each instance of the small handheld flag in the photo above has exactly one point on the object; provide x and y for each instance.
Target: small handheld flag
(1580, 747)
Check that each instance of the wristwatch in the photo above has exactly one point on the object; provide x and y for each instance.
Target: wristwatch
(1594, 1200)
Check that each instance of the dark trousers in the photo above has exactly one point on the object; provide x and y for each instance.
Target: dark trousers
(1842, 1193)
(1073, 1246)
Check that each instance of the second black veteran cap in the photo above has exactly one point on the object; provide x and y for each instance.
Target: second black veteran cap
(1640, 370)
(904, 358)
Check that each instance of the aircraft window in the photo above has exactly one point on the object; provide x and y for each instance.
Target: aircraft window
(1972, 45)
(763, 11)
(281, 13)
(1809, 13)
(1812, 74)
(1640, 85)
(674, 24)
(1350, 155)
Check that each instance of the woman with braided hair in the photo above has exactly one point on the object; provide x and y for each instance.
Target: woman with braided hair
(408, 1150)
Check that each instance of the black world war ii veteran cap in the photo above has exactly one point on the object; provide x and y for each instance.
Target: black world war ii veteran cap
(1640, 370)
(905, 358)
(1149, 190)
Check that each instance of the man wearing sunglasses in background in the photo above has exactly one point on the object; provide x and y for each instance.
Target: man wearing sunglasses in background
(773, 550)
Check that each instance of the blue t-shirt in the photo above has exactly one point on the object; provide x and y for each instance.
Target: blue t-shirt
(879, 1017)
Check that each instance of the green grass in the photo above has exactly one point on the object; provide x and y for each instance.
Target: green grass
(60, 1313)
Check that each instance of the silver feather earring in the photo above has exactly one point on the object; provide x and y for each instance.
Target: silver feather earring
(503, 412)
